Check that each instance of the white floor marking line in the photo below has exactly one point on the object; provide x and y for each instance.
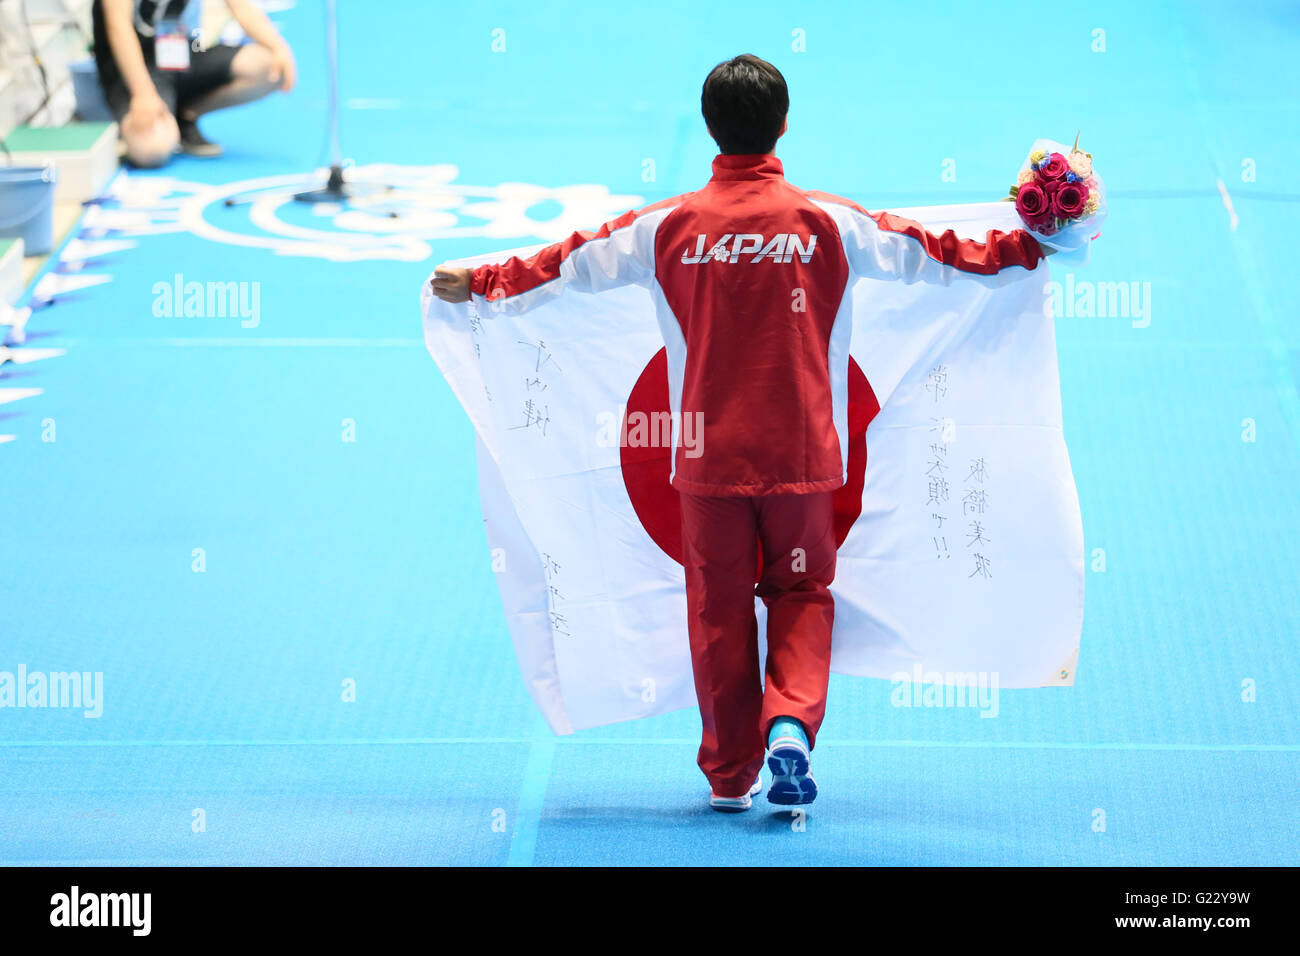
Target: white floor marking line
(1227, 204)
(21, 356)
(79, 250)
(539, 742)
(292, 343)
(1252, 281)
(55, 284)
(532, 795)
(131, 220)
(133, 343)
(372, 103)
(17, 394)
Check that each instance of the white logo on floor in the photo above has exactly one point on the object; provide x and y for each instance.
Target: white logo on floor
(395, 212)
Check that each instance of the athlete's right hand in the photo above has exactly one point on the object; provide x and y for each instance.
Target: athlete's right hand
(451, 284)
(147, 109)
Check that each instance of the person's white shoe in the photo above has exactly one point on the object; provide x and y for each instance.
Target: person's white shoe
(736, 804)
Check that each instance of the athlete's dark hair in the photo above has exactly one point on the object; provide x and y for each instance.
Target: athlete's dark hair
(744, 102)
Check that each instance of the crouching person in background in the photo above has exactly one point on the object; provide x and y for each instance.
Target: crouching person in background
(158, 84)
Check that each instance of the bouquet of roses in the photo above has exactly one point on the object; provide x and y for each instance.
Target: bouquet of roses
(1059, 196)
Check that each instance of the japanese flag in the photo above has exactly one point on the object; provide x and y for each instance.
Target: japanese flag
(961, 544)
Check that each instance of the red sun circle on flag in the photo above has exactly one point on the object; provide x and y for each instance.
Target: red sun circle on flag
(646, 468)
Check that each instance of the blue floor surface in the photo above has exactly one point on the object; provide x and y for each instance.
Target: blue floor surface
(225, 737)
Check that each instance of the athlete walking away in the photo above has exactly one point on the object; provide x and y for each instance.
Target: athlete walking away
(769, 382)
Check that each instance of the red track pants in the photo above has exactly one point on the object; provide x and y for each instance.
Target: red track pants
(722, 538)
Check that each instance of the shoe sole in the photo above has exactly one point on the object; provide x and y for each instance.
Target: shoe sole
(202, 152)
(792, 781)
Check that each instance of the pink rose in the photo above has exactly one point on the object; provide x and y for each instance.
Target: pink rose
(1068, 200)
(1053, 168)
(1032, 204)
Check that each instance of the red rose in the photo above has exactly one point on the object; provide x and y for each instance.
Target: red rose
(1053, 168)
(1032, 204)
(1067, 202)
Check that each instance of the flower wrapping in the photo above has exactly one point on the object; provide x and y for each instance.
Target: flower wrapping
(1060, 196)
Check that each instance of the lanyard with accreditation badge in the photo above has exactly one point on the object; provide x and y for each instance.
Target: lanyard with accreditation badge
(172, 46)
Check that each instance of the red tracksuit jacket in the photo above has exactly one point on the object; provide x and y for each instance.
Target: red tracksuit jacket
(750, 278)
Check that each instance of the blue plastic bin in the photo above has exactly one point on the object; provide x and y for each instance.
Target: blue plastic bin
(27, 206)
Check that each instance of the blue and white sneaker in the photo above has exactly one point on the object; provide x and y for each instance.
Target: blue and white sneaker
(736, 804)
(788, 758)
